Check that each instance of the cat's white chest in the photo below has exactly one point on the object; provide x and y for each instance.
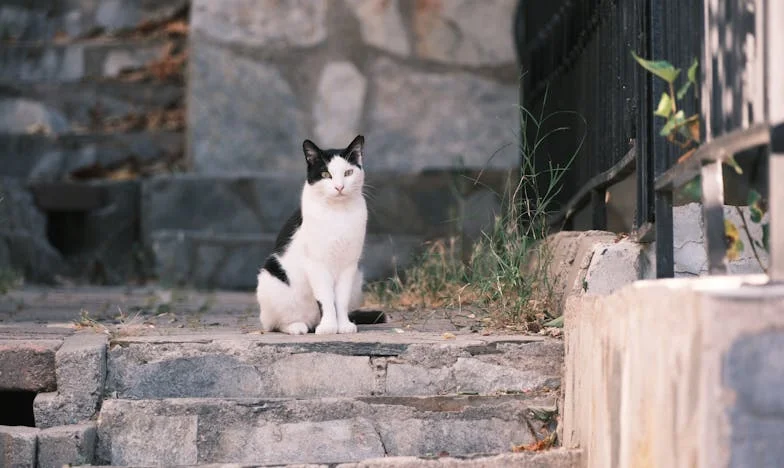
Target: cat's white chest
(336, 235)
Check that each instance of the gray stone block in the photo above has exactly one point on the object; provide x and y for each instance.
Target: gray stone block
(340, 98)
(381, 25)
(554, 458)
(462, 120)
(465, 32)
(66, 445)
(42, 21)
(60, 108)
(307, 431)
(266, 23)
(262, 130)
(206, 260)
(75, 62)
(18, 446)
(28, 365)
(40, 157)
(81, 373)
(23, 241)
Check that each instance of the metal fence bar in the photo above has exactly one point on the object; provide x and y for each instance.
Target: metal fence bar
(776, 204)
(713, 217)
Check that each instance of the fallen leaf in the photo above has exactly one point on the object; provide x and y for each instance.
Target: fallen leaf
(448, 336)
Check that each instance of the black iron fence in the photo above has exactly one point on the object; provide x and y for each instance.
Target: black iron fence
(576, 55)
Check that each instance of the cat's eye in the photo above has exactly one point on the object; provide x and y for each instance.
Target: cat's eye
(348, 172)
(326, 175)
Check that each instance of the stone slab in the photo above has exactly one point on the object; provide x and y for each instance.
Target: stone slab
(462, 120)
(267, 367)
(706, 351)
(18, 446)
(547, 459)
(309, 431)
(81, 373)
(28, 365)
(66, 445)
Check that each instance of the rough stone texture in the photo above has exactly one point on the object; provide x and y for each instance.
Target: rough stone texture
(706, 351)
(18, 446)
(28, 365)
(308, 431)
(24, 246)
(66, 445)
(42, 21)
(546, 459)
(81, 372)
(381, 25)
(752, 369)
(614, 265)
(459, 31)
(266, 23)
(230, 368)
(261, 131)
(449, 133)
(338, 107)
(41, 157)
(66, 107)
(74, 62)
(207, 260)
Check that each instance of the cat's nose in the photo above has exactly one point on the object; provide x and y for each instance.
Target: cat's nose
(339, 188)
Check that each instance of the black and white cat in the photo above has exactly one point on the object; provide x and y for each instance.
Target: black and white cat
(312, 277)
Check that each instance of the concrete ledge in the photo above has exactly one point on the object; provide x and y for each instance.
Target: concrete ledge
(677, 373)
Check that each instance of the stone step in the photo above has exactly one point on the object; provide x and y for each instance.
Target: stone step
(326, 430)
(555, 458)
(44, 20)
(78, 61)
(372, 363)
(81, 106)
(42, 157)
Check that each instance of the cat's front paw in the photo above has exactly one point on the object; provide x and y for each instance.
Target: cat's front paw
(326, 329)
(347, 327)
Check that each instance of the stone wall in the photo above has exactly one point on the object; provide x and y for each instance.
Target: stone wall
(431, 84)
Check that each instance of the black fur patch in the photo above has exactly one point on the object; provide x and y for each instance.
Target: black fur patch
(287, 232)
(273, 266)
(321, 311)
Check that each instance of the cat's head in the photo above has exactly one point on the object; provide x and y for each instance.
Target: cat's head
(336, 173)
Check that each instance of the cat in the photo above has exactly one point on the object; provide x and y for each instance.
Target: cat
(312, 278)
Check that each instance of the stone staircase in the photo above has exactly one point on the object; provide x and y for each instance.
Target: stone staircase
(156, 394)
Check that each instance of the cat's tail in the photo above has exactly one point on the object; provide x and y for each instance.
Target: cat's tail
(367, 317)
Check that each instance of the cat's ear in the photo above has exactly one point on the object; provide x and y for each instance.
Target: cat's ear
(354, 151)
(312, 152)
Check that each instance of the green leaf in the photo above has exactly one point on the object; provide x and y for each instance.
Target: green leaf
(757, 206)
(665, 106)
(766, 236)
(672, 122)
(734, 244)
(692, 72)
(661, 68)
(733, 164)
(692, 191)
(557, 322)
(683, 90)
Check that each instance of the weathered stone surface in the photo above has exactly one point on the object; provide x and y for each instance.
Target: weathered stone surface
(42, 21)
(309, 431)
(462, 120)
(339, 101)
(553, 458)
(40, 157)
(267, 23)
(74, 62)
(465, 32)
(66, 445)
(207, 260)
(227, 368)
(81, 372)
(381, 25)
(18, 446)
(28, 365)
(260, 131)
(66, 107)
(23, 243)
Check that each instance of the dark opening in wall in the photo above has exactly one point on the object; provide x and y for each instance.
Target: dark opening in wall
(16, 408)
